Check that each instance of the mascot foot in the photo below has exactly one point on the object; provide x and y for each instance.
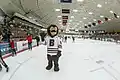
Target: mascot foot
(49, 67)
(56, 69)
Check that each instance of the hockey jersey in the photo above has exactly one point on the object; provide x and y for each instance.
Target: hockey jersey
(53, 45)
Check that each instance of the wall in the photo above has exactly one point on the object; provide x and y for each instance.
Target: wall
(20, 46)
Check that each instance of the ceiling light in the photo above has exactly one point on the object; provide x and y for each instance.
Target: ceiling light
(111, 11)
(101, 16)
(60, 20)
(99, 5)
(89, 22)
(106, 2)
(84, 18)
(94, 20)
(85, 24)
(76, 30)
(118, 16)
(80, 0)
(44, 29)
(60, 23)
(57, 9)
(22, 23)
(30, 17)
(109, 19)
(75, 10)
(11, 25)
(96, 23)
(59, 16)
(90, 13)
(72, 16)
(80, 21)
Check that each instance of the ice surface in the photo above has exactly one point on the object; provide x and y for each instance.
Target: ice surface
(82, 60)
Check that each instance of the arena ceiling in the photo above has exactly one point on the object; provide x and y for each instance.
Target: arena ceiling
(82, 12)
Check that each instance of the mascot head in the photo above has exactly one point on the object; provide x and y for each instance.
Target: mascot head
(52, 30)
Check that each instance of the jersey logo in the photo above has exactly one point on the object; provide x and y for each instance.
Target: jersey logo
(51, 42)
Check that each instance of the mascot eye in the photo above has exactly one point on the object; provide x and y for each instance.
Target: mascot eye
(52, 29)
(55, 28)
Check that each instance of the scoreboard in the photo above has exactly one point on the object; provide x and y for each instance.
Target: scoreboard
(66, 1)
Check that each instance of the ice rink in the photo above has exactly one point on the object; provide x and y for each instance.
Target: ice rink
(82, 60)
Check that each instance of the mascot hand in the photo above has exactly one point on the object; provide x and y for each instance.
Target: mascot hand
(59, 53)
(60, 46)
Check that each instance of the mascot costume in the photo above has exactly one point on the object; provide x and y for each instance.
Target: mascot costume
(54, 46)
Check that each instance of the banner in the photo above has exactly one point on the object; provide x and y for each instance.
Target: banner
(21, 45)
(5, 48)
